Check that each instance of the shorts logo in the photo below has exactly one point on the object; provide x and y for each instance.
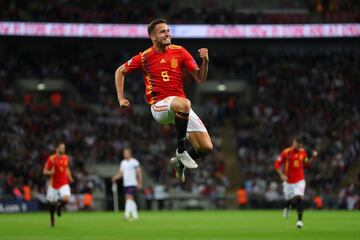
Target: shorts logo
(174, 63)
(129, 62)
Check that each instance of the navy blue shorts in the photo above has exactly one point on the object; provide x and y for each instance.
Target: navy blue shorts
(131, 190)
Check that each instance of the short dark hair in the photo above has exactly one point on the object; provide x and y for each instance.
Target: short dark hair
(152, 25)
(299, 139)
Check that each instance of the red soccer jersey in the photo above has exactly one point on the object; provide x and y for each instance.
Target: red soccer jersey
(163, 74)
(293, 162)
(60, 178)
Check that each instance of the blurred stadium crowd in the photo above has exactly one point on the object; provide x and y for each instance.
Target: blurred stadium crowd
(293, 89)
(313, 93)
(184, 12)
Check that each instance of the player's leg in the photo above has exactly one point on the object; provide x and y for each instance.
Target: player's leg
(198, 149)
(175, 110)
(288, 204)
(134, 209)
(52, 208)
(52, 196)
(299, 190)
(181, 107)
(130, 207)
(298, 202)
(198, 137)
(162, 113)
(131, 198)
(65, 194)
(288, 199)
(127, 207)
(201, 144)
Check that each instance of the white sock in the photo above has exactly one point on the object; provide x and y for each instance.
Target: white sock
(127, 208)
(133, 210)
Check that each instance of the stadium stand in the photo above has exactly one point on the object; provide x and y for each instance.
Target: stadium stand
(184, 12)
(292, 86)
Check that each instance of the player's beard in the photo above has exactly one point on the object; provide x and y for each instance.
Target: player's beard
(166, 42)
(163, 42)
(163, 45)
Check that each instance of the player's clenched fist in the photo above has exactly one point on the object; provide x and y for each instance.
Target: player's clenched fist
(314, 153)
(204, 54)
(124, 103)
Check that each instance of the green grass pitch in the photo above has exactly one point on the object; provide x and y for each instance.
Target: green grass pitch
(174, 225)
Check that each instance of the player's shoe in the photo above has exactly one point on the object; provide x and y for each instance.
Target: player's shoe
(185, 159)
(299, 224)
(286, 212)
(179, 168)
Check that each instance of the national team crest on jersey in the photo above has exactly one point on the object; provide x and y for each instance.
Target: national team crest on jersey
(174, 63)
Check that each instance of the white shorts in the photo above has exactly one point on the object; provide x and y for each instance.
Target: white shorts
(294, 189)
(163, 114)
(53, 195)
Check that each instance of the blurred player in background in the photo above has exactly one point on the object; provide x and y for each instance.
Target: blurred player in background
(58, 192)
(131, 173)
(162, 66)
(290, 166)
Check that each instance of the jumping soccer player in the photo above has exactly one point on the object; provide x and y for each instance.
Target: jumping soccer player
(58, 192)
(290, 166)
(162, 66)
(131, 172)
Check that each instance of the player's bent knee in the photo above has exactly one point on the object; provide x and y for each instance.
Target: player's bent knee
(181, 105)
(129, 197)
(206, 148)
(186, 105)
(209, 148)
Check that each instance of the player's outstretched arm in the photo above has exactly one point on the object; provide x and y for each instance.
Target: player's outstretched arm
(201, 74)
(139, 178)
(119, 83)
(69, 175)
(277, 166)
(282, 175)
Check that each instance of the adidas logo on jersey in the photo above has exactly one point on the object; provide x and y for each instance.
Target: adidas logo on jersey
(163, 61)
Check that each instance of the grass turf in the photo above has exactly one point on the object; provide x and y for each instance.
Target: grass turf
(174, 225)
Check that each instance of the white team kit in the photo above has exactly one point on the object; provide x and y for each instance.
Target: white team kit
(129, 171)
(163, 114)
(294, 189)
(128, 168)
(53, 195)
